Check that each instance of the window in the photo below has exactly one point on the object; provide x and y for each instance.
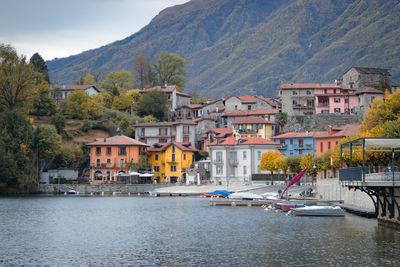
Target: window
(156, 157)
(186, 129)
(219, 169)
(244, 155)
(325, 91)
(173, 168)
(346, 100)
(142, 132)
(219, 156)
(192, 158)
(244, 170)
(336, 142)
(235, 107)
(173, 149)
(352, 110)
(98, 163)
(98, 151)
(280, 92)
(291, 141)
(322, 147)
(184, 156)
(173, 157)
(108, 150)
(294, 93)
(122, 150)
(248, 107)
(156, 168)
(259, 154)
(294, 102)
(337, 110)
(329, 145)
(300, 152)
(308, 92)
(347, 111)
(291, 152)
(337, 100)
(163, 131)
(186, 139)
(236, 126)
(233, 155)
(121, 163)
(301, 143)
(162, 140)
(108, 161)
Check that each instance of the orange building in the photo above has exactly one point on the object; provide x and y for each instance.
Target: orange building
(108, 157)
(328, 140)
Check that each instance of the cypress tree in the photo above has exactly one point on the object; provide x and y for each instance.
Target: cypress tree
(39, 65)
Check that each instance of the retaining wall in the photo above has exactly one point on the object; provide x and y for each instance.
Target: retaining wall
(106, 188)
(330, 189)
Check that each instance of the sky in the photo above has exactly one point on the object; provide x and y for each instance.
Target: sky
(60, 28)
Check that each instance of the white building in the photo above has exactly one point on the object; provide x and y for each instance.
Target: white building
(175, 99)
(234, 159)
(66, 90)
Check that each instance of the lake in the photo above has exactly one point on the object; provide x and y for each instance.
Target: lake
(146, 231)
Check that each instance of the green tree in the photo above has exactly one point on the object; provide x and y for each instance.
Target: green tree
(153, 103)
(43, 103)
(122, 103)
(170, 69)
(48, 140)
(89, 79)
(58, 120)
(294, 163)
(117, 82)
(82, 106)
(281, 119)
(142, 70)
(39, 65)
(17, 79)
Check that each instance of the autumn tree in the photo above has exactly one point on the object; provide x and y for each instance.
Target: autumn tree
(170, 69)
(118, 82)
(17, 79)
(153, 103)
(271, 161)
(142, 70)
(89, 79)
(294, 163)
(43, 103)
(312, 163)
(39, 65)
(82, 106)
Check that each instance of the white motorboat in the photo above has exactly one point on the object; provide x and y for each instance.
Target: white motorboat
(245, 196)
(71, 192)
(318, 211)
(271, 196)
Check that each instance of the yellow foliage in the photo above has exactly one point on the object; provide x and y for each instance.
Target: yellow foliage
(272, 161)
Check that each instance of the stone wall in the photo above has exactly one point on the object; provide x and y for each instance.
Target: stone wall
(330, 189)
(319, 122)
(106, 188)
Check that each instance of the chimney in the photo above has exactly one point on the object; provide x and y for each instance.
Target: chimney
(119, 131)
(329, 130)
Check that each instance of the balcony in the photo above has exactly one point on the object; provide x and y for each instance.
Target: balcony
(233, 162)
(323, 105)
(303, 147)
(303, 106)
(247, 131)
(103, 166)
(218, 161)
(283, 147)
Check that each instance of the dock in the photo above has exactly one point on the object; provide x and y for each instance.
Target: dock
(259, 203)
(360, 212)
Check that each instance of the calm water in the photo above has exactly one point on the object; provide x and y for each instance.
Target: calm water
(144, 231)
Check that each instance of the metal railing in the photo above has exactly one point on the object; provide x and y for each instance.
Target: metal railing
(371, 174)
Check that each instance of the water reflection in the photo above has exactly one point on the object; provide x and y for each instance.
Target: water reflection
(182, 231)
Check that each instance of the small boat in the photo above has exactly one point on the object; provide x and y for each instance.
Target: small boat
(318, 211)
(271, 196)
(245, 196)
(217, 193)
(291, 205)
(71, 192)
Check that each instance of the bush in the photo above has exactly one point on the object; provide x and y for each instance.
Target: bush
(87, 125)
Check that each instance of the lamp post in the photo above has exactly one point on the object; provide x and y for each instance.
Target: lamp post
(133, 102)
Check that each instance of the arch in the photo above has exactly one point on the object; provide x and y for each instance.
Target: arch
(98, 175)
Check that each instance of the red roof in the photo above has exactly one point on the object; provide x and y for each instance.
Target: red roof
(345, 130)
(219, 132)
(369, 90)
(165, 89)
(194, 105)
(231, 141)
(299, 135)
(73, 87)
(247, 99)
(308, 85)
(240, 113)
(251, 119)
(164, 123)
(158, 147)
(118, 140)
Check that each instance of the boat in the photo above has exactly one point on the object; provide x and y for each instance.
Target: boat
(71, 192)
(290, 205)
(318, 211)
(217, 193)
(245, 196)
(271, 196)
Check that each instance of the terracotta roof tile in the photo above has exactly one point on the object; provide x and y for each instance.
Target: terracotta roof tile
(299, 135)
(251, 119)
(239, 113)
(194, 105)
(231, 141)
(247, 99)
(73, 87)
(369, 90)
(164, 123)
(117, 140)
(343, 131)
(158, 147)
(308, 85)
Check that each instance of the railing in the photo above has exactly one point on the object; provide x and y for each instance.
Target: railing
(233, 162)
(322, 105)
(249, 131)
(350, 174)
(300, 106)
(218, 161)
(282, 147)
(371, 174)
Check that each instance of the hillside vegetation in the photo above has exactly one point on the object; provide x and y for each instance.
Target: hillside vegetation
(252, 46)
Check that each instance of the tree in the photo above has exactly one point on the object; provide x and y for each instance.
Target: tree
(170, 69)
(58, 121)
(89, 79)
(17, 79)
(281, 119)
(142, 71)
(43, 103)
(82, 106)
(153, 103)
(48, 140)
(294, 163)
(356, 157)
(117, 82)
(39, 65)
(271, 161)
(312, 163)
(122, 103)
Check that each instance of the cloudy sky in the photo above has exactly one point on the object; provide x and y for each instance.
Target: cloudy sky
(60, 28)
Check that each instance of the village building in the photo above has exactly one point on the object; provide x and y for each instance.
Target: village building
(297, 143)
(166, 132)
(204, 125)
(189, 112)
(366, 96)
(213, 109)
(335, 101)
(268, 114)
(214, 135)
(109, 157)
(246, 102)
(253, 126)
(169, 161)
(63, 91)
(236, 159)
(360, 77)
(175, 99)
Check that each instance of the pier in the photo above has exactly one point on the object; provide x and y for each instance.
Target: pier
(259, 203)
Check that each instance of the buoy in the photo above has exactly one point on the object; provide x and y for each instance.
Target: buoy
(138, 194)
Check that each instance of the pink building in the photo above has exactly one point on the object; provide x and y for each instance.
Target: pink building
(335, 100)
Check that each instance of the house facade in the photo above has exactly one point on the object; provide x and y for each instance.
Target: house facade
(175, 99)
(247, 102)
(109, 157)
(335, 101)
(360, 77)
(235, 160)
(366, 96)
(169, 161)
(166, 132)
(268, 114)
(297, 143)
(253, 126)
(214, 135)
(189, 112)
(65, 90)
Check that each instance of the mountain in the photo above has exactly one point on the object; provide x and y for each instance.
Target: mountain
(252, 46)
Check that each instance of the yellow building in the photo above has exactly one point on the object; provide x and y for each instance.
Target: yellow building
(253, 126)
(170, 160)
